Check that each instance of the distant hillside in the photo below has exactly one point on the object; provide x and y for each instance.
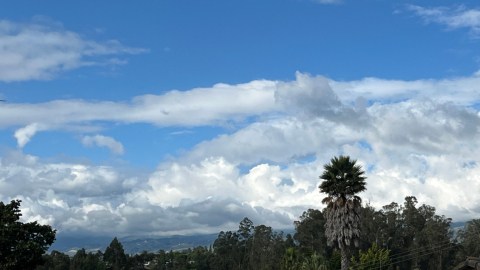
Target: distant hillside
(176, 242)
(456, 226)
(70, 245)
(136, 243)
(133, 244)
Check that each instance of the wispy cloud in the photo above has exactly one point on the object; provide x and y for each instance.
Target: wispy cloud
(327, 1)
(197, 107)
(104, 141)
(36, 51)
(452, 18)
(181, 132)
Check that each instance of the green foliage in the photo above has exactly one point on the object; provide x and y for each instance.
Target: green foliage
(22, 244)
(315, 262)
(372, 259)
(289, 242)
(290, 260)
(310, 231)
(422, 237)
(226, 248)
(78, 260)
(114, 256)
(470, 237)
(60, 261)
(343, 178)
(252, 247)
(335, 261)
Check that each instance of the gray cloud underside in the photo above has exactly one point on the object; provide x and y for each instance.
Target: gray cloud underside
(414, 138)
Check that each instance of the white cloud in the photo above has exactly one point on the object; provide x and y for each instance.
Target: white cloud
(459, 17)
(104, 141)
(98, 199)
(181, 132)
(327, 1)
(222, 104)
(418, 138)
(25, 134)
(217, 105)
(37, 51)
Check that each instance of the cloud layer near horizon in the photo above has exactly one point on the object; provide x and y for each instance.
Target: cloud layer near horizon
(416, 138)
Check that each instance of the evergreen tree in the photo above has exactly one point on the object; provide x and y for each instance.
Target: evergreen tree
(289, 242)
(78, 260)
(310, 231)
(114, 256)
(60, 261)
(245, 235)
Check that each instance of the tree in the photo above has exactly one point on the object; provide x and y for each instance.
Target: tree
(115, 256)
(201, 257)
(60, 261)
(469, 236)
(78, 260)
(315, 262)
(335, 261)
(290, 260)
(22, 244)
(343, 179)
(310, 231)
(373, 259)
(263, 248)
(245, 235)
(226, 250)
(289, 242)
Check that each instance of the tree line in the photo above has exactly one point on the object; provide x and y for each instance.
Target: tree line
(346, 234)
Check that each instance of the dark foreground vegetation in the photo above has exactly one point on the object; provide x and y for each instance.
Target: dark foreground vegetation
(346, 234)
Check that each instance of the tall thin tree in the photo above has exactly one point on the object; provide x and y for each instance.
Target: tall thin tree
(342, 180)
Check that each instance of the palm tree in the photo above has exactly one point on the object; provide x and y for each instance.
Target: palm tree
(343, 179)
(290, 260)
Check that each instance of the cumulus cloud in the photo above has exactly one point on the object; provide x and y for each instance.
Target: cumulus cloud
(460, 17)
(314, 97)
(416, 138)
(104, 141)
(40, 51)
(95, 199)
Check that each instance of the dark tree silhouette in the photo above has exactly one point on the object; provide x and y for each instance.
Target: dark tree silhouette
(22, 244)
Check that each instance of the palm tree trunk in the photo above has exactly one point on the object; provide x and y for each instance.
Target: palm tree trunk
(345, 262)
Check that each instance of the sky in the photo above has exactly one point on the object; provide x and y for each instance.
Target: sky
(184, 117)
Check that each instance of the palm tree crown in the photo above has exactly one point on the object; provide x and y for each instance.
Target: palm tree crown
(342, 179)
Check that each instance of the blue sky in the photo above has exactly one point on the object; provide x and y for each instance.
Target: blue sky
(134, 115)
